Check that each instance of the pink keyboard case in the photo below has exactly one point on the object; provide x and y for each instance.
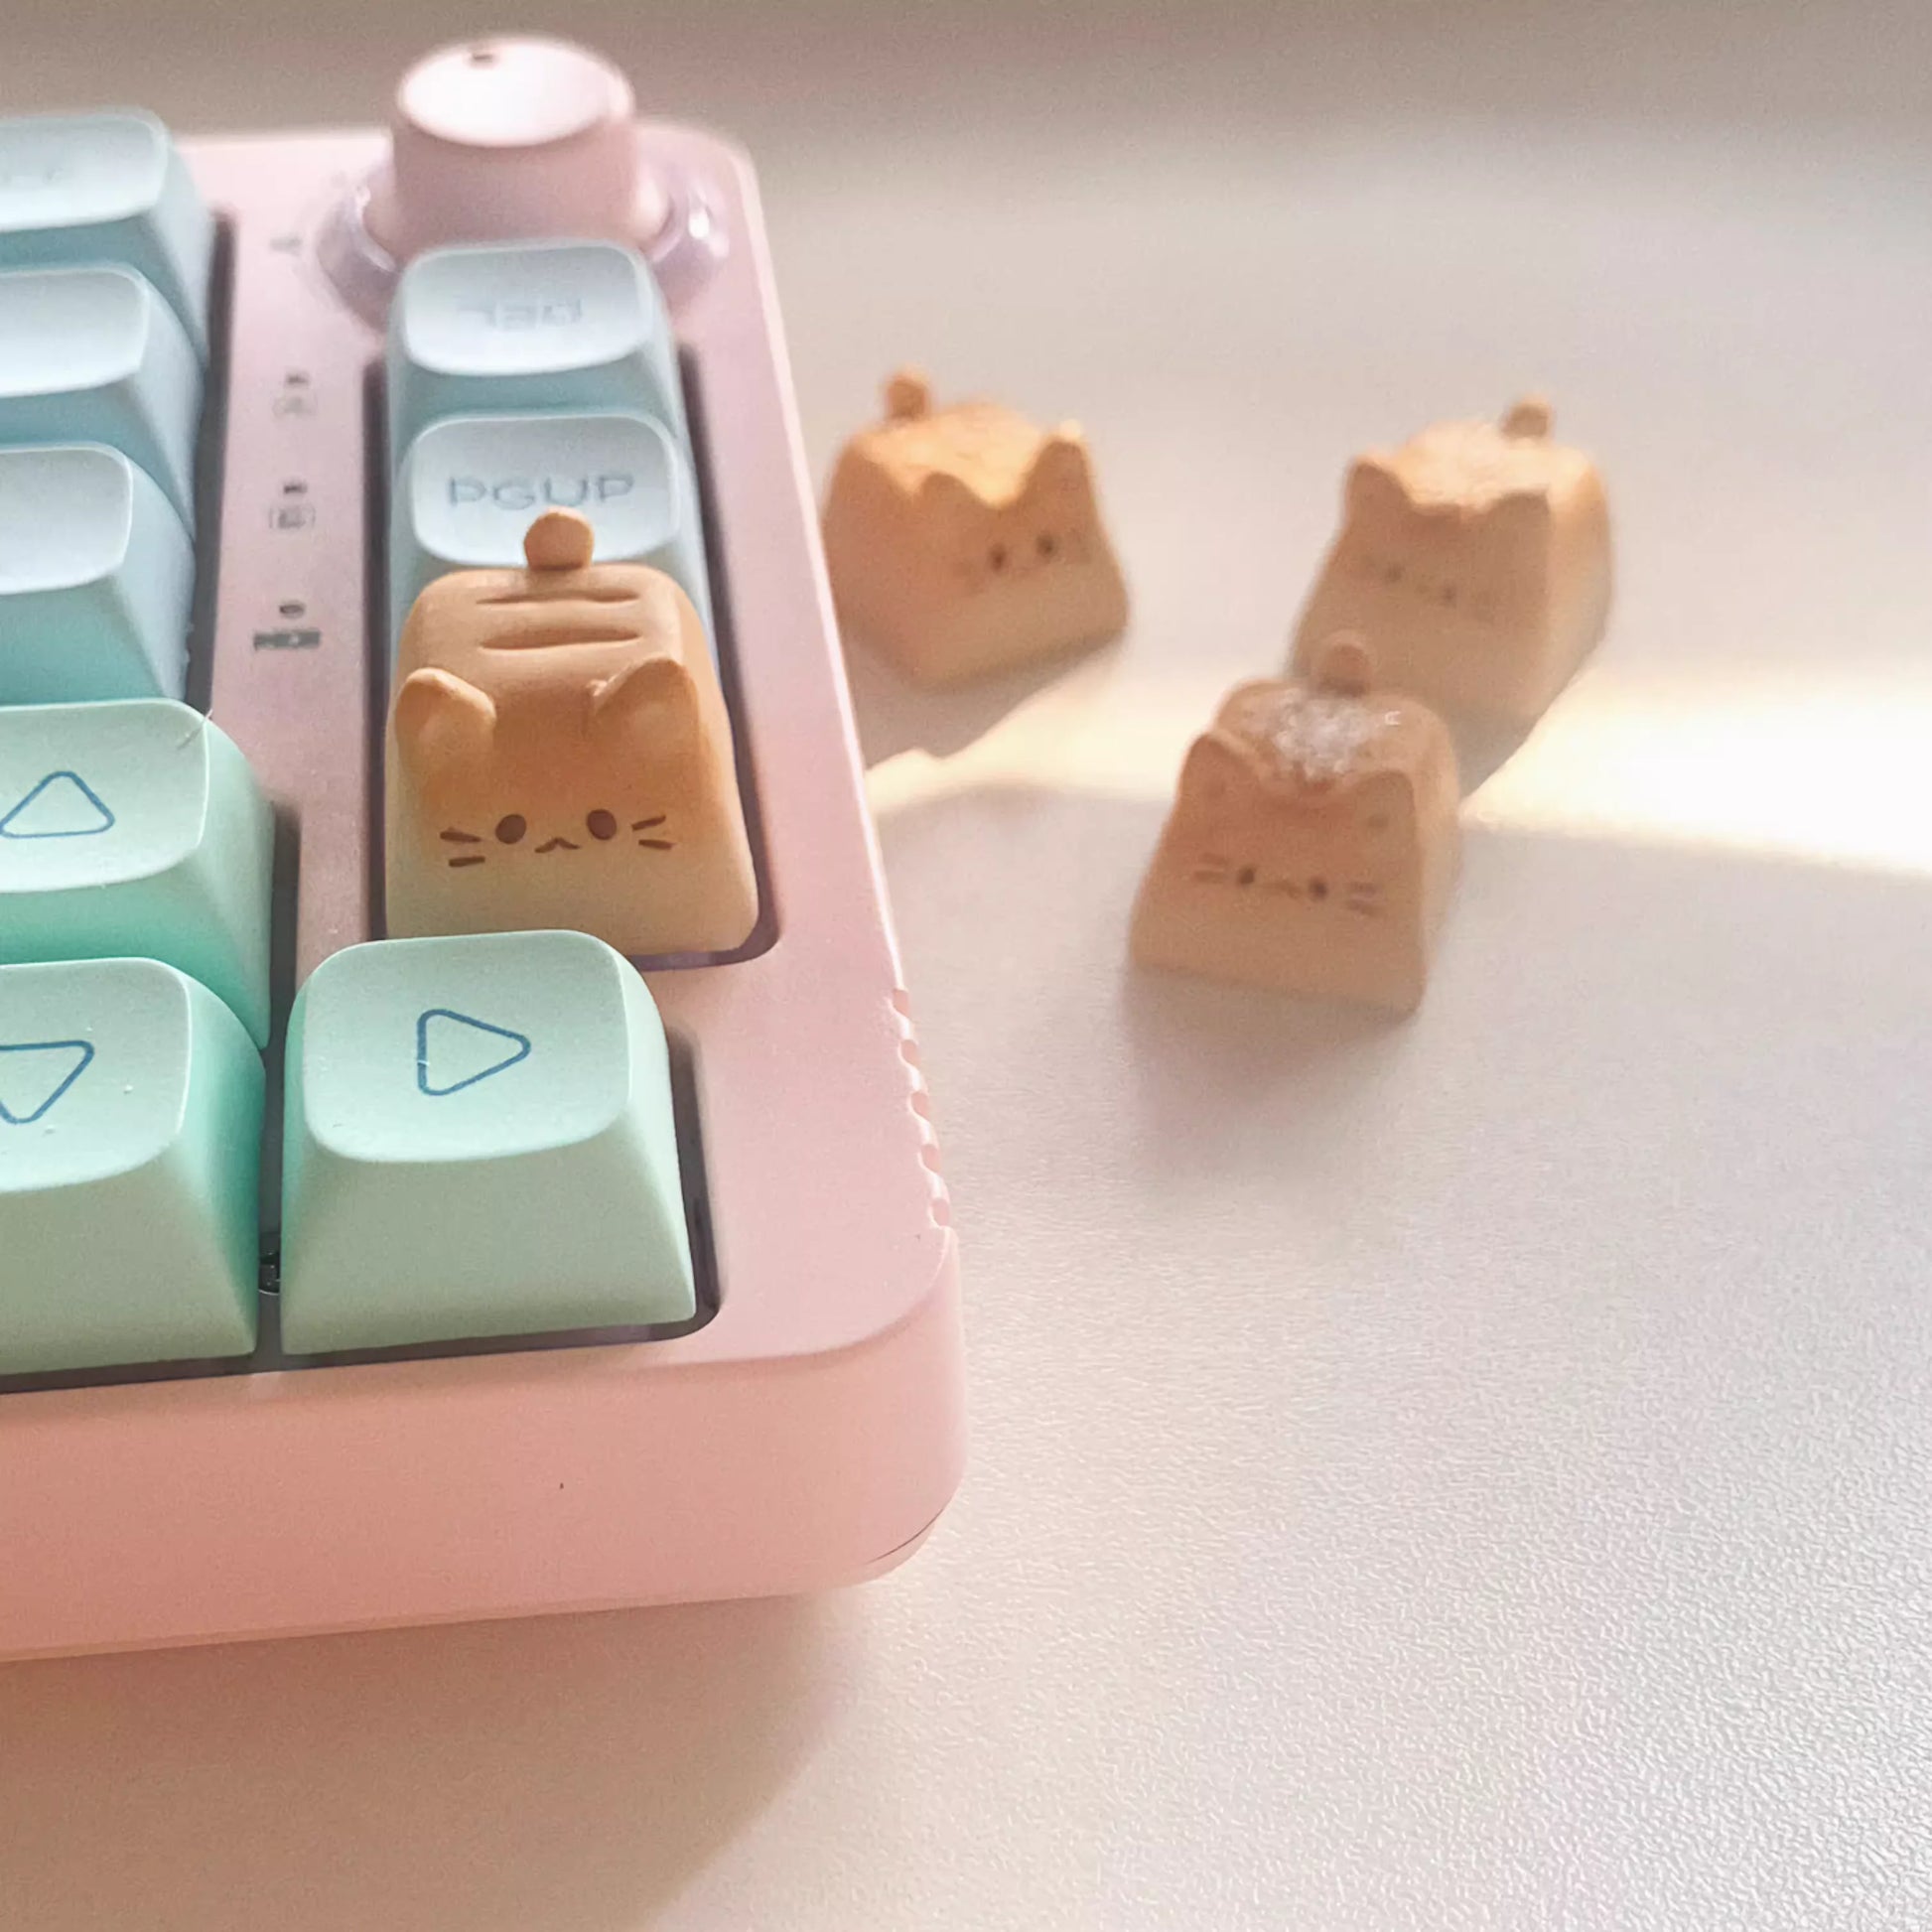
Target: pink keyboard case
(811, 1431)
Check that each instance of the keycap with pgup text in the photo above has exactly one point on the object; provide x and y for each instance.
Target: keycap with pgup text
(130, 1129)
(556, 325)
(470, 486)
(479, 1140)
(78, 189)
(96, 579)
(135, 829)
(94, 355)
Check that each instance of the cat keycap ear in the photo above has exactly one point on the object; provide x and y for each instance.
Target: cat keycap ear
(442, 722)
(656, 685)
(1342, 665)
(1529, 419)
(945, 491)
(1219, 766)
(1062, 459)
(559, 540)
(909, 396)
(1373, 484)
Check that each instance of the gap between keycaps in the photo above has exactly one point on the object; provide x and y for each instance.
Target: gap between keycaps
(210, 457)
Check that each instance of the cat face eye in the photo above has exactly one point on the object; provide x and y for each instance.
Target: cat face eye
(510, 828)
(600, 825)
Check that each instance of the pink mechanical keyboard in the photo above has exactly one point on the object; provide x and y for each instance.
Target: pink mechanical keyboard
(351, 1280)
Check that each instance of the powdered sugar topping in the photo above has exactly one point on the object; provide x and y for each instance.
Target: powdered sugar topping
(1323, 735)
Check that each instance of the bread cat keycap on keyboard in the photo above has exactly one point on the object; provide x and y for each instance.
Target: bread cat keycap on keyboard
(96, 579)
(470, 487)
(549, 325)
(479, 1141)
(94, 355)
(135, 829)
(78, 188)
(130, 1117)
(558, 755)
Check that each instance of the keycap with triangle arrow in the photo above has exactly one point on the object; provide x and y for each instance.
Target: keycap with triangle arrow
(135, 829)
(478, 1140)
(130, 1124)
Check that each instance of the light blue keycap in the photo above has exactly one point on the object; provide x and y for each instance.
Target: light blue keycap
(555, 324)
(130, 1142)
(479, 1141)
(96, 579)
(107, 188)
(470, 486)
(135, 829)
(94, 355)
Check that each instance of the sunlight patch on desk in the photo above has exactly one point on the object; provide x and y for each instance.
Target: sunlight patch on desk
(1830, 769)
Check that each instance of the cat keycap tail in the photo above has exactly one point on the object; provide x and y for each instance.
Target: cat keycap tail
(559, 756)
(1314, 842)
(965, 540)
(1475, 562)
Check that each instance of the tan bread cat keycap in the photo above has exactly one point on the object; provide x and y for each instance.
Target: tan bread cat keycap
(965, 540)
(1314, 841)
(1475, 562)
(559, 756)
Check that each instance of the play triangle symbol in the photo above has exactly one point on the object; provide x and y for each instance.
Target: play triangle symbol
(63, 805)
(33, 1077)
(453, 1052)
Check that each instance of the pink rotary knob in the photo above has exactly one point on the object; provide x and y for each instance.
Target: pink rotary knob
(511, 139)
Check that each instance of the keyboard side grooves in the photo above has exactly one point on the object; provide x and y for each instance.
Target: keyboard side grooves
(290, 679)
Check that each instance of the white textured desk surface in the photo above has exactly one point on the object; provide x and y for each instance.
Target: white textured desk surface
(1471, 1474)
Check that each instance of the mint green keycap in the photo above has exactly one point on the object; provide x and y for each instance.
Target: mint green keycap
(135, 829)
(479, 1141)
(551, 324)
(130, 1136)
(470, 486)
(94, 355)
(78, 188)
(96, 579)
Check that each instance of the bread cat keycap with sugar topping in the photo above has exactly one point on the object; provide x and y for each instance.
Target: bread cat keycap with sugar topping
(965, 540)
(1475, 563)
(559, 756)
(1314, 842)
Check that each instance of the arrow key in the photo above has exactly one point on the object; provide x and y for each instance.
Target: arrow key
(130, 1124)
(480, 1141)
(135, 830)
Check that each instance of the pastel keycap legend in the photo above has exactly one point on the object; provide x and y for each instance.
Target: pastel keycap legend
(34, 1074)
(455, 1051)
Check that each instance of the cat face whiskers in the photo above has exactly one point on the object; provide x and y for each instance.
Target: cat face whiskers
(456, 835)
(647, 824)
